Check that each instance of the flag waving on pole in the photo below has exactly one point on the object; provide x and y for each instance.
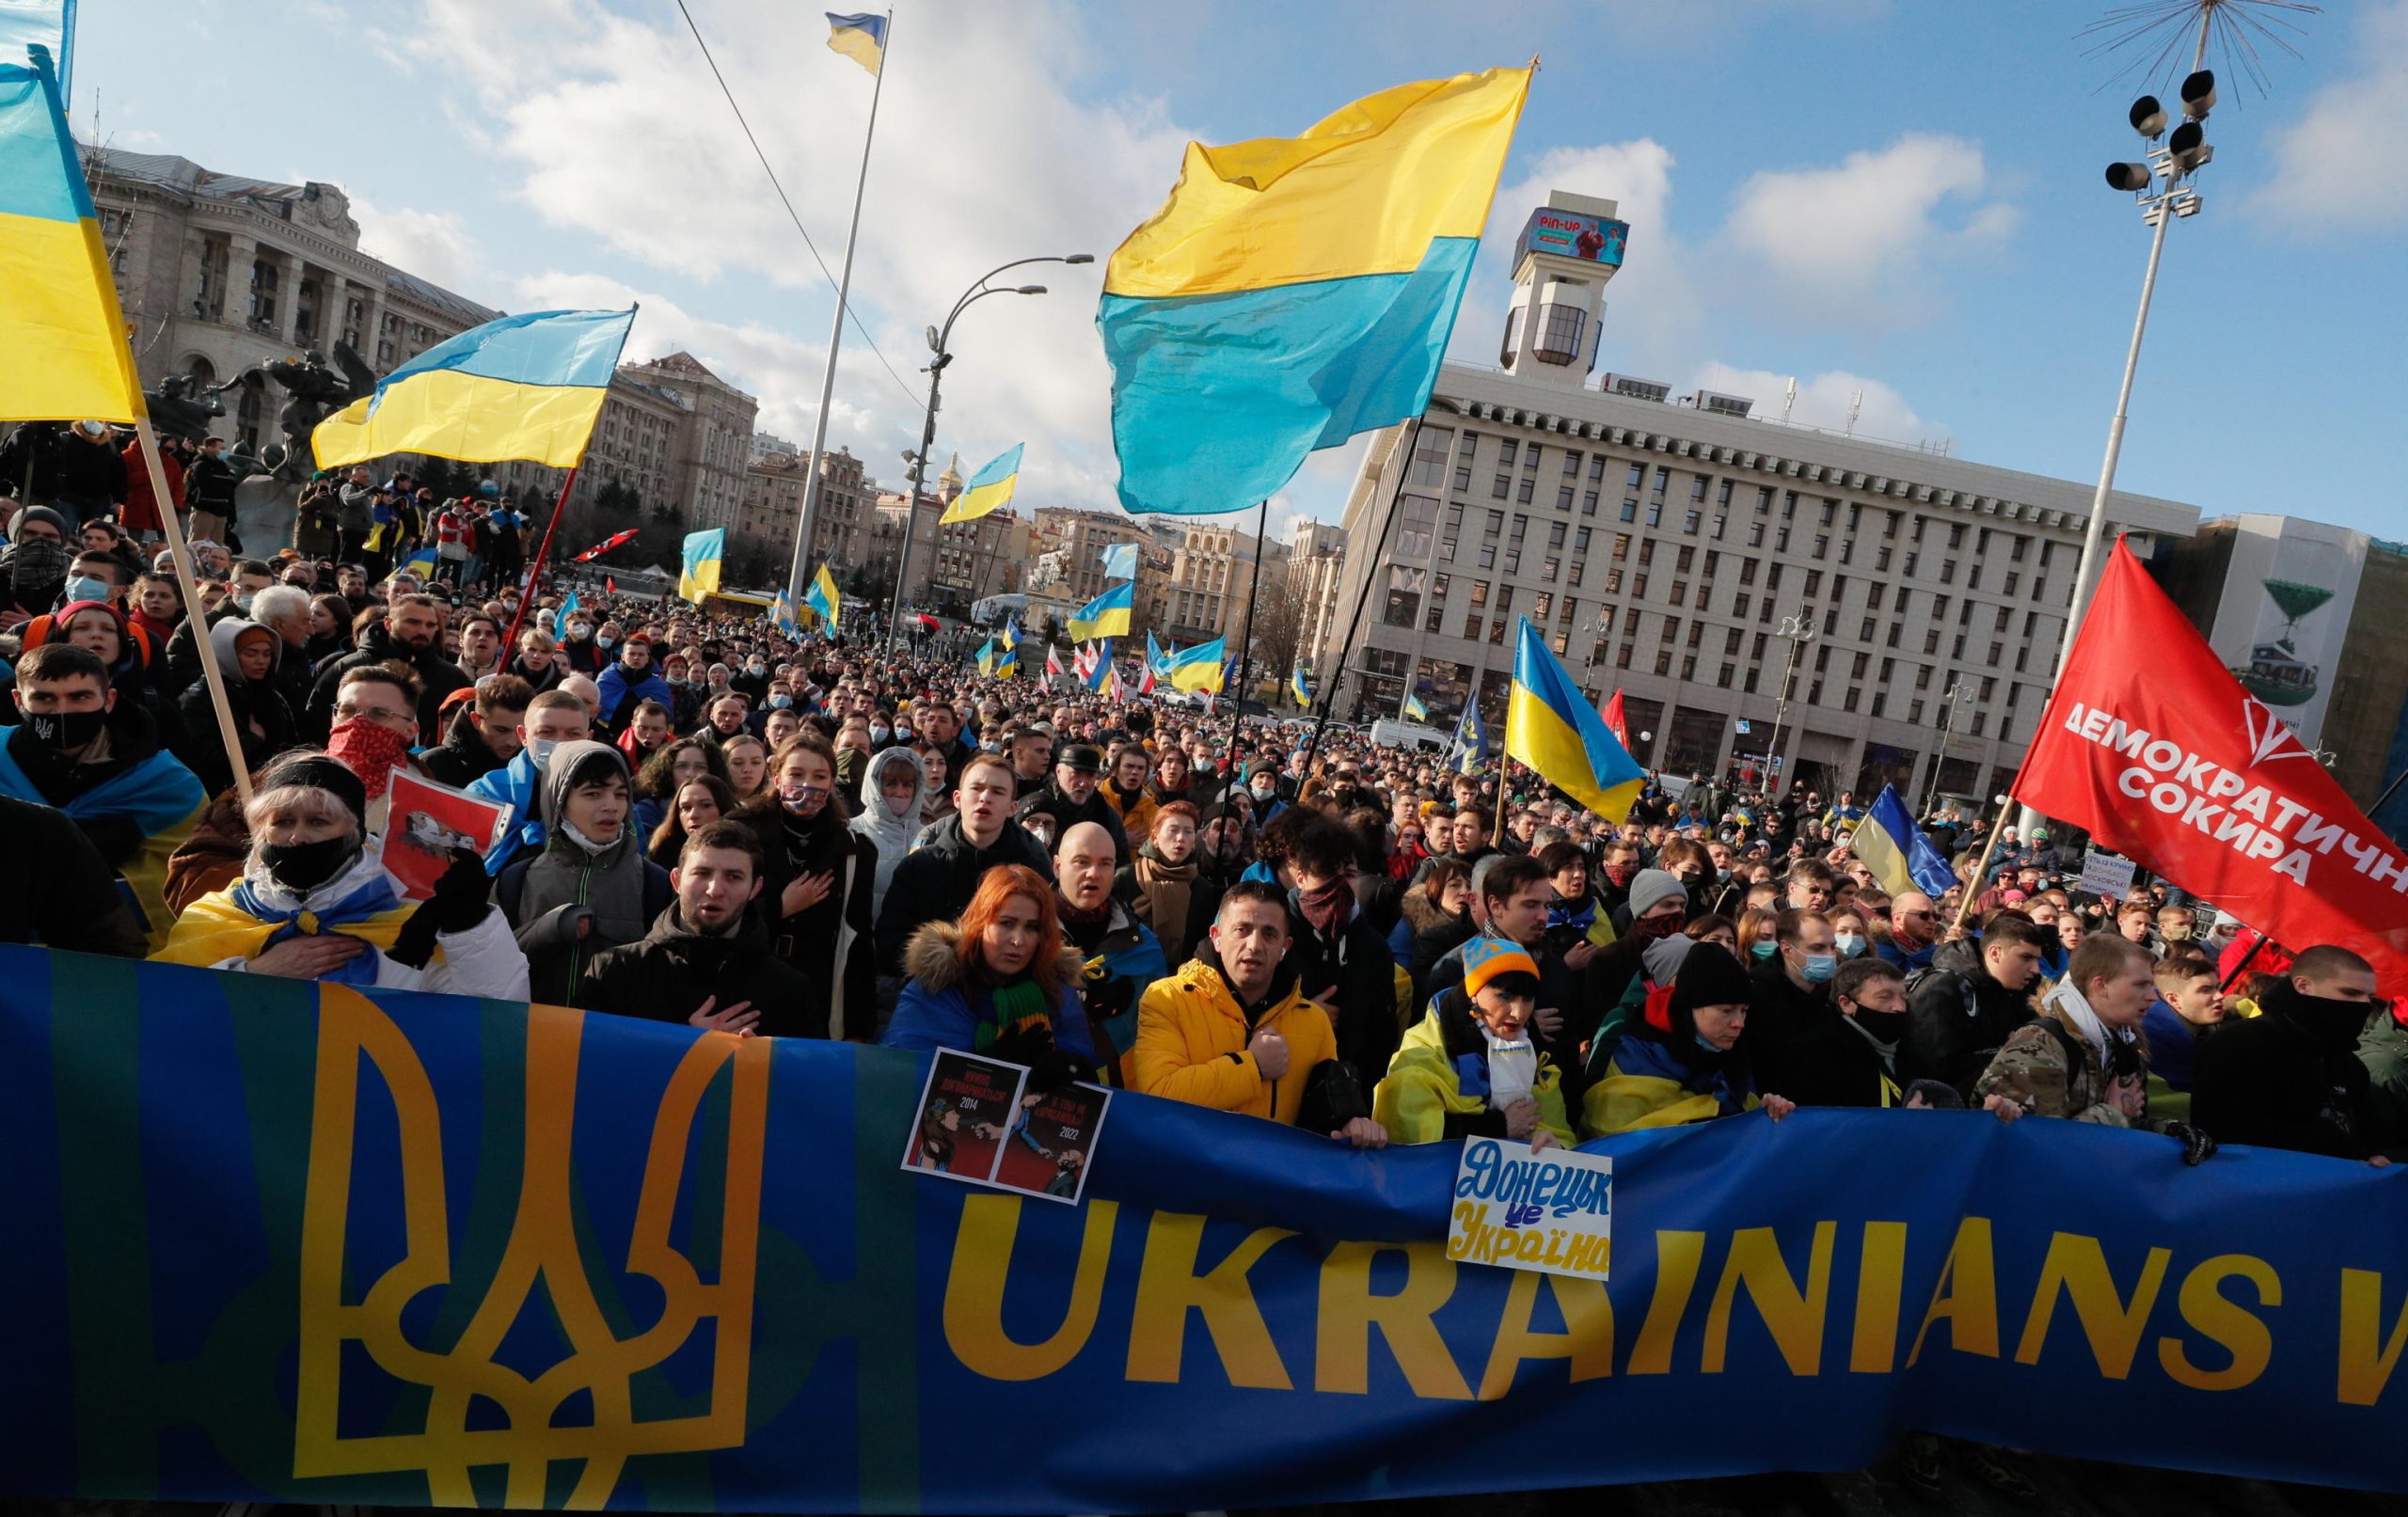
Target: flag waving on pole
(63, 351)
(614, 540)
(989, 490)
(1107, 615)
(2152, 746)
(700, 576)
(860, 37)
(1471, 739)
(1120, 561)
(1888, 843)
(782, 615)
(523, 388)
(822, 598)
(1616, 723)
(1550, 726)
(1292, 293)
(1415, 710)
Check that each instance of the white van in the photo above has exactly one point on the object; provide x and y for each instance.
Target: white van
(1390, 733)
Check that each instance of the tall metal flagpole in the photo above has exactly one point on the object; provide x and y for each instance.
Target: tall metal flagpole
(836, 336)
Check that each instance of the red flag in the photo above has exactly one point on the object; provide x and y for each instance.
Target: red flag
(600, 548)
(609, 585)
(2153, 747)
(1616, 723)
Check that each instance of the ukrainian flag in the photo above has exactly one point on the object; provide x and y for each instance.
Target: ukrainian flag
(1550, 726)
(782, 615)
(1008, 662)
(1297, 688)
(1099, 677)
(700, 577)
(1295, 291)
(987, 656)
(1120, 561)
(862, 37)
(524, 387)
(989, 490)
(420, 561)
(63, 351)
(1889, 844)
(1010, 635)
(1107, 615)
(1199, 668)
(822, 597)
(1414, 709)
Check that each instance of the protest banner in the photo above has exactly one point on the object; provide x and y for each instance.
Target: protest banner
(2152, 747)
(2103, 874)
(1528, 1208)
(276, 1240)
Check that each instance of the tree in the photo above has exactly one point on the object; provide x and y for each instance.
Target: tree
(1279, 628)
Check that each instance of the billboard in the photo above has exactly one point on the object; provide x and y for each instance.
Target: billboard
(2285, 612)
(1573, 234)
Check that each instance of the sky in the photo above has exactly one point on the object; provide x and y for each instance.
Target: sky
(1901, 197)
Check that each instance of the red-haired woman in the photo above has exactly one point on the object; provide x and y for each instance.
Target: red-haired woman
(999, 982)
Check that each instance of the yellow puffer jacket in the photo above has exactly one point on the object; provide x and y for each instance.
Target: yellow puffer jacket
(1424, 1087)
(1192, 1039)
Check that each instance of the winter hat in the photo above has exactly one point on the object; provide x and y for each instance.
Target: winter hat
(1664, 957)
(1709, 976)
(1486, 958)
(318, 771)
(58, 522)
(1652, 889)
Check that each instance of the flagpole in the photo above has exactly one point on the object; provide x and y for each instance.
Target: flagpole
(1362, 598)
(194, 616)
(536, 569)
(1246, 639)
(836, 339)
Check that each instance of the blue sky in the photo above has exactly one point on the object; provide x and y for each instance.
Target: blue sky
(1882, 195)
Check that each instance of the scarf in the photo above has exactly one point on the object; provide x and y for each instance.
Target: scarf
(242, 921)
(2075, 1012)
(1086, 929)
(1328, 907)
(368, 751)
(1165, 889)
(1579, 916)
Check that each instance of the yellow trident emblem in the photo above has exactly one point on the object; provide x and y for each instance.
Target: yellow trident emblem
(355, 1034)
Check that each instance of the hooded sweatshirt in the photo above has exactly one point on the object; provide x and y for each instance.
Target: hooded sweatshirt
(889, 834)
(573, 877)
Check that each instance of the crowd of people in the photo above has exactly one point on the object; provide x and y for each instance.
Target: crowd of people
(713, 823)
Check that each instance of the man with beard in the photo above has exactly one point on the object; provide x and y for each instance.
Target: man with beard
(96, 758)
(707, 960)
(33, 568)
(1121, 955)
(412, 632)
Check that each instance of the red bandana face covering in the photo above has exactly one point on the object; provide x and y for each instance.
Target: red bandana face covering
(370, 751)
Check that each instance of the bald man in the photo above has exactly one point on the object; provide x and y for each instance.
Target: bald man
(1121, 954)
(1914, 932)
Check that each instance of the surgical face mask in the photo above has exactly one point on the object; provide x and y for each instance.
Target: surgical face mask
(1849, 943)
(1817, 968)
(1764, 948)
(580, 629)
(539, 751)
(781, 700)
(879, 735)
(1264, 792)
(756, 667)
(84, 587)
(606, 640)
(243, 599)
(902, 733)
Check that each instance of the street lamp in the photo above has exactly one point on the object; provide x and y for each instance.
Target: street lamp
(1797, 632)
(2158, 186)
(1956, 693)
(938, 336)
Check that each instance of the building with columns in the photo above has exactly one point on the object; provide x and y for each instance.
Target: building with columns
(219, 274)
(1204, 588)
(1738, 578)
(1316, 562)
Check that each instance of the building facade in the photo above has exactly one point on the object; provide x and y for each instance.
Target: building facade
(1316, 566)
(771, 503)
(1206, 587)
(1745, 582)
(219, 274)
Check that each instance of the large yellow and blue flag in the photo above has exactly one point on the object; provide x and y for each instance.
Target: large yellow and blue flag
(1199, 668)
(860, 37)
(524, 387)
(1292, 293)
(700, 573)
(1551, 726)
(822, 597)
(63, 352)
(989, 490)
(1888, 843)
(1107, 615)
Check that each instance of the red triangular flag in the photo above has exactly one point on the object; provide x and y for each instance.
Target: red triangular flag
(609, 585)
(1615, 722)
(2152, 746)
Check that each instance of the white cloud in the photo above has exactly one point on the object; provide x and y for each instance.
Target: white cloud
(1858, 235)
(432, 245)
(615, 129)
(2339, 167)
(1823, 400)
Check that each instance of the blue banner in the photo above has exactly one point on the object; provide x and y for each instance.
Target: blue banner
(268, 1239)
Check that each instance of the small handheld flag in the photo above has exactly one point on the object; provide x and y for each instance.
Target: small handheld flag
(1053, 660)
(560, 623)
(989, 490)
(1619, 724)
(1415, 710)
(860, 37)
(523, 386)
(1107, 615)
(1199, 668)
(1298, 687)
(1099, 670)
(1550, 726)
(1120, 561)
(700, 573)
(782, 614)
(1889, 844)
(1471, 739)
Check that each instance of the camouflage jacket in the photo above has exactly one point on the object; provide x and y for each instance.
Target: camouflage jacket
(2032, 1070)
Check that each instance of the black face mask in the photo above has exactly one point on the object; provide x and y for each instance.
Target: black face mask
(302, 868)
(65, 730)
(1889, 1026)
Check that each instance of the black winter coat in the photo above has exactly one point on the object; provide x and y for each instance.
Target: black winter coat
(1958, 1018)
(64, 894)
(807, 939)
(668, 973)
(2288, 1077)
(935, 880)
(438, 676)
(1354, 962)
